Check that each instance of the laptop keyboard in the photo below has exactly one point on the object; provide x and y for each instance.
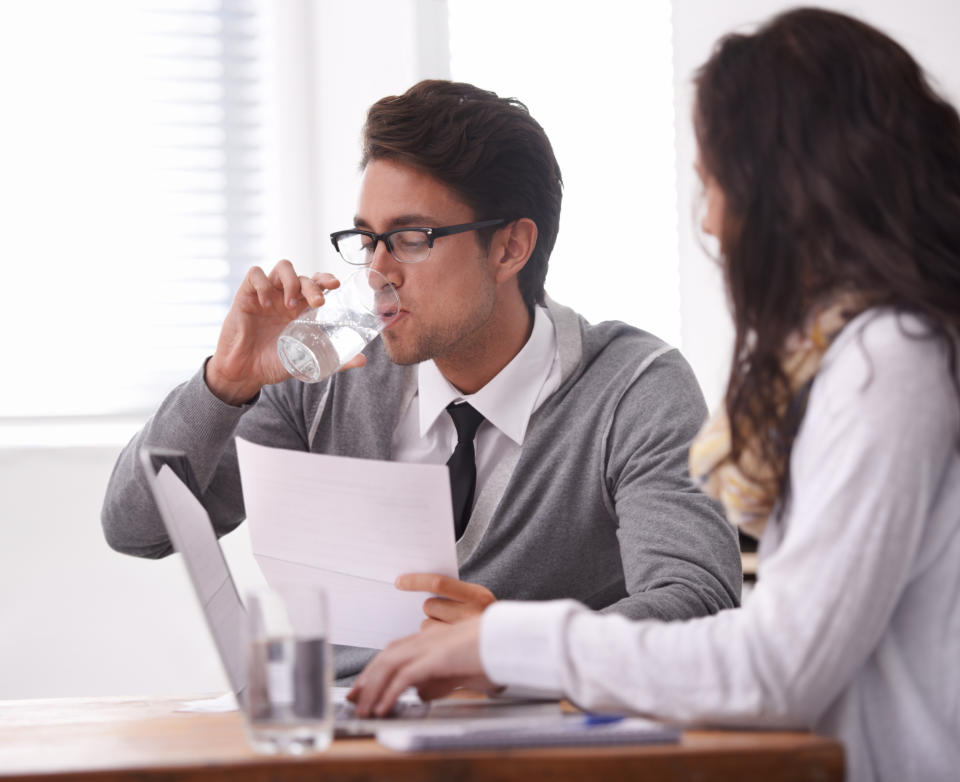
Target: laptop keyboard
(345, 711)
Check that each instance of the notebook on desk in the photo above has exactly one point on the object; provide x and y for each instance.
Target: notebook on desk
(175, 490)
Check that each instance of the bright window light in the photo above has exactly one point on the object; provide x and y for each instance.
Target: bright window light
(131, 195)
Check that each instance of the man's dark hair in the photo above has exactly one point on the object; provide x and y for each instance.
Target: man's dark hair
(487, 149)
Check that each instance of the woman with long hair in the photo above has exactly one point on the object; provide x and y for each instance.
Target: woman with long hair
(831, 173)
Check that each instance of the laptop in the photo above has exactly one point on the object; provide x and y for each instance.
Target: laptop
(175, 490)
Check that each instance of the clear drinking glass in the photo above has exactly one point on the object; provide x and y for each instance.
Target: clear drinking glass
(287, 700)
(322, 339)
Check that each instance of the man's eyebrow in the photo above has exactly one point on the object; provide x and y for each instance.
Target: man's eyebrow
(412, 220)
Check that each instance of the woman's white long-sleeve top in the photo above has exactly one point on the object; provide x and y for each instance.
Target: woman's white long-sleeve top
(853, 629)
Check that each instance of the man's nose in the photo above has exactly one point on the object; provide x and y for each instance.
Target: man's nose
(384, 262)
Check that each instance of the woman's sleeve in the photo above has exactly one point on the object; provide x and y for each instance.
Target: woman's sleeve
(880, 429)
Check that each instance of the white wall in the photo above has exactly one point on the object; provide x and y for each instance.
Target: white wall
(77, 618)
(608, 114)
(927, 28)
(382, 47)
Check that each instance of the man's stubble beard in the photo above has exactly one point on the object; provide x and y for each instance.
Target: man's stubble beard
(425, 346)
(452, 340)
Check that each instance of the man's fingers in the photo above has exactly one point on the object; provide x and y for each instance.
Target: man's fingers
(326, 280)
(298, 289)
(426, 582)
(285, 277)
(357, 361)
(261, 286)
(445, 587)
(311, 291)
(447, 611)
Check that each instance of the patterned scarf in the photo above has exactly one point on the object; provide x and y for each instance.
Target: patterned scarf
(748, 488)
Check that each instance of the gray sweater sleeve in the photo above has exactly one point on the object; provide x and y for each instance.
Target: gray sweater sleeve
(193, 420)
(680, 556)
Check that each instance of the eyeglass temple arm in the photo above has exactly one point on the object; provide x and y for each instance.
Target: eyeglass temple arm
(436, 233)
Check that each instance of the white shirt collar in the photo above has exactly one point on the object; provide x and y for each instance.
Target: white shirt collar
(510, 398)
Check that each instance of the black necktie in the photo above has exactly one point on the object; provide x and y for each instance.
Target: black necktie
(462, 464)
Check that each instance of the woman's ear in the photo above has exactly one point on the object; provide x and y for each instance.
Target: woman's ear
(514, 245)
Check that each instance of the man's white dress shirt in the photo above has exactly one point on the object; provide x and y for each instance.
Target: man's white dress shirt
(426, 433)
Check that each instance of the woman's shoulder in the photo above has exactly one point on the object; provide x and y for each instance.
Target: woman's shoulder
(886, 359)
(888, 342)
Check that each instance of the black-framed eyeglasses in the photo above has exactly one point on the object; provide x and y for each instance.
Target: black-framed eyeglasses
(407, 245)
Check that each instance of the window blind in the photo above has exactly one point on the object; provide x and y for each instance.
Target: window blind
(133, 193)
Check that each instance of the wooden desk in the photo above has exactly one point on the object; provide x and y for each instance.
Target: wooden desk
(113, 739)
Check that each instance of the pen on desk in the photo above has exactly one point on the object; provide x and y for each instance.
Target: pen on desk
(601, 719)
(570, 723)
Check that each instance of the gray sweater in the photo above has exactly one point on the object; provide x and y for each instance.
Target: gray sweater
(596, 505)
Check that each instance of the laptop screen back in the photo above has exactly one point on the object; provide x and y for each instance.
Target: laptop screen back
(168, 474)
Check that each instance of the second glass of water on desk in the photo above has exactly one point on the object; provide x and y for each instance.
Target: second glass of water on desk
(322, 339)
(287, 700)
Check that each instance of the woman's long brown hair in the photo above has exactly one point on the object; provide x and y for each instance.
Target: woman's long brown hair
(840, 167)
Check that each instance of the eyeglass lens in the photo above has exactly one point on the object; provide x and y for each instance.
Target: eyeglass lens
(409, 246)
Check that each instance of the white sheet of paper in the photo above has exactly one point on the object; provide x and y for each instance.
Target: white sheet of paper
(351, 526)
(219, 704)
